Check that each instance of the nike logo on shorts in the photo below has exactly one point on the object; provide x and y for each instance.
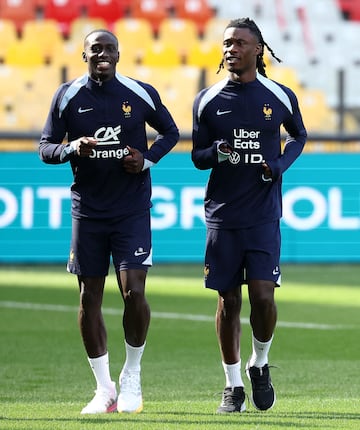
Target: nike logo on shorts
(139, 252)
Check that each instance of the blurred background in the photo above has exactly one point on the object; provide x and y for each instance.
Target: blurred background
(176, 46)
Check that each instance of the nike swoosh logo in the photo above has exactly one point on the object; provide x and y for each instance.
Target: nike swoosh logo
(275, 272)
(222, 112)
(82, 110)
(138, 253)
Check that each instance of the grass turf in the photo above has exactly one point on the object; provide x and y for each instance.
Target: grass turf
(45, 379)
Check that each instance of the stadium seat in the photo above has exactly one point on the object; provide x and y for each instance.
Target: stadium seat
(24, 53)
(214, 30)
(108, 10)
(64, 12)
(134, 36)
(69, 56)
(350, 9)
(154, 11)
(26, 95)
(198, 11)
(182, 33)
(285, 75)
(204, 54)
(80, 27)
(18, 11)
(8, 35)
(160, 53)
(316, 114)
(177, 87)
(46, 35)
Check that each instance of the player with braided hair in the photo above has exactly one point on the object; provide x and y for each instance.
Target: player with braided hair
(236, 134)
(250, 24)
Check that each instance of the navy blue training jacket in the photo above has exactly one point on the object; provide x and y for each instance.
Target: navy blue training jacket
(249, 116)
(115, 112)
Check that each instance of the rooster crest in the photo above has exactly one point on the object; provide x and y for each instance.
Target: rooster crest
(126, 107)
(267, 110)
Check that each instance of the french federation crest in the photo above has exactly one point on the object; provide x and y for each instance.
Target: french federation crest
(267, 110)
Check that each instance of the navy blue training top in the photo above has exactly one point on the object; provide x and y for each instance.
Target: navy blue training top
(249, 116)
(115, 112)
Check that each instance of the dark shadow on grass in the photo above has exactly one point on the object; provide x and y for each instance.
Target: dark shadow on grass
(281, 420)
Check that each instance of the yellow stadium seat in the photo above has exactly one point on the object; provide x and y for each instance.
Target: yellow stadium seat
(204, 54)
(134, 36)
(44, 33)
(316, 114)
(82, 26)
(70, 55)
(214, 29)
(161, 53)
(7, 36)
(177, 87)
(284, 75)
(24, 53)
(25, 103)
(182, 33)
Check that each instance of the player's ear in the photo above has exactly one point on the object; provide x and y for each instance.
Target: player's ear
(84, 57)
(259, 49)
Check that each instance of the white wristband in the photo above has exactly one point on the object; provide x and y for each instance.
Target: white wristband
(69, 149)
(147, 164)
(266, 179)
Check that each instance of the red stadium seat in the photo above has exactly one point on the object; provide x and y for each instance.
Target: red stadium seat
(18, 11)
(108, 10)
(155, 11)
(64, 12)
(198, 11)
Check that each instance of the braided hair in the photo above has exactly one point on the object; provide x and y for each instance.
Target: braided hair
(254, 29)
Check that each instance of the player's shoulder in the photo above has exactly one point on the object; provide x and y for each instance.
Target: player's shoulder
(142, 89)
(279, 91)
(206, 95)
(267, 81)
(72, 85)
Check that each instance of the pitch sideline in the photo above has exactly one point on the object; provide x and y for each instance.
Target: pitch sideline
(166, 315)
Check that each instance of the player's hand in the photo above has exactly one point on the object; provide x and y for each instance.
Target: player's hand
(85, 146)
(267, 173)
(134, 162)
(224, 146)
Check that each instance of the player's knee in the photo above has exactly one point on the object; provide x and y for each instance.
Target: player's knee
(230, 304)
(89, 299)
(134, 296)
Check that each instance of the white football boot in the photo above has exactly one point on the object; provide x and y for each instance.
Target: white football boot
(103, 402)
(130, 397)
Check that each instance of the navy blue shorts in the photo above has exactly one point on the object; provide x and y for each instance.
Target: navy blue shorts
(94, 242)
(234, 257)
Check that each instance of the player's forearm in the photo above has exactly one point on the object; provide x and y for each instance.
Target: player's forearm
(50, 153)
(162, 145)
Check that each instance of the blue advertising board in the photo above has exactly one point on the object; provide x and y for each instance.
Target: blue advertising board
(321, 202)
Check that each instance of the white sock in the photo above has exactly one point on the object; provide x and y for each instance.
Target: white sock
(233, 375)
(101, 371)
(133, 357)
(260, 351)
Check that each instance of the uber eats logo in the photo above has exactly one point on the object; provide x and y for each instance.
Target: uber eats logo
(247, 144)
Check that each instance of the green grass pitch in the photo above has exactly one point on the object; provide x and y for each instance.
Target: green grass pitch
(45, 378)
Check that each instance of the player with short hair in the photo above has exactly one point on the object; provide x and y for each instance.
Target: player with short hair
(236, 134)
(104, 116)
